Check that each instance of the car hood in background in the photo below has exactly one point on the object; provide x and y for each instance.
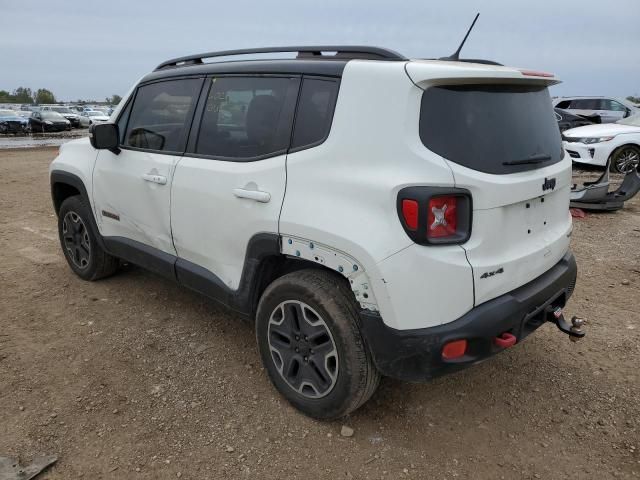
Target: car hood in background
(12, 118)
(601, 130)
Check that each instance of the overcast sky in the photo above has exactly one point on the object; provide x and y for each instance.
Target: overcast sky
(93, 49)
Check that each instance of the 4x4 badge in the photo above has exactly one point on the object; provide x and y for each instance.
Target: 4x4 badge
(549, 184)
(491, 274)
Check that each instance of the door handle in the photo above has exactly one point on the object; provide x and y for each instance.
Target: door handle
(159, 179)
(257, 195)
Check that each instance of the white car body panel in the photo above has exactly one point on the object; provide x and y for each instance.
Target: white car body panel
(143, 206)
(598, 154)
(211, 225)
(517, 227)
(77, 157)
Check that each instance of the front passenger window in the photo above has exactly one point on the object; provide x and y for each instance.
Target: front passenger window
(160, 115)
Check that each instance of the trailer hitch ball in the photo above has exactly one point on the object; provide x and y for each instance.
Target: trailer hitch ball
(576, 327)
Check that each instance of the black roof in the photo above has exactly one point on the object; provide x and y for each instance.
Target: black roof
(332, 68)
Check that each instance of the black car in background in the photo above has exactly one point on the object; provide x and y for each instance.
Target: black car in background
(568, 120)
(48, 122)
(66, 112)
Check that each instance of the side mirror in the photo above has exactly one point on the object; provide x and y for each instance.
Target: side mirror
(627, 112)
(105, 136)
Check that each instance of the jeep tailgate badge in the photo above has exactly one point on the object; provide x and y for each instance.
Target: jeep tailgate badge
(549, 184)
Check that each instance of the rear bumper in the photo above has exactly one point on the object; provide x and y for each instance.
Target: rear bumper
(416, 355)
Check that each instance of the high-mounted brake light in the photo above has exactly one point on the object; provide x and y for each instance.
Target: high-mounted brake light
(534, 73)
(435, 215)
(442, 218)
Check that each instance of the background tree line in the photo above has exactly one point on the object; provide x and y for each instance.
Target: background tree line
(42, 95)
(26, 95)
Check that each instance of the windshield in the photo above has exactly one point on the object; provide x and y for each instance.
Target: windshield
(633, 120)
(61, 109)
(496, 129)
(51, 115)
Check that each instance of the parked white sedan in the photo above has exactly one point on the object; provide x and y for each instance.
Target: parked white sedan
(595, 144)
(95, 116)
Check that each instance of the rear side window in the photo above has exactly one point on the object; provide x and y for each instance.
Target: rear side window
(160, 115)
(246, 117)
(564, 104)
(315, 112)
(496, 129)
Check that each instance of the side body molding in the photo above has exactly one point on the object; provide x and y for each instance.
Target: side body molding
(260, 247)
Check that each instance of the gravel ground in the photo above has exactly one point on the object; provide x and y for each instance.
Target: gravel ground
(134, 377)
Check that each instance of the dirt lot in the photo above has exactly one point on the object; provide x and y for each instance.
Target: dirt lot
(135, 377)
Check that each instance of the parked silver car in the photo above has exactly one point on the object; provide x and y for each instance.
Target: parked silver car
(597, 109)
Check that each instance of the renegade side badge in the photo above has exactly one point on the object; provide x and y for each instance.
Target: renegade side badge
(110, 215)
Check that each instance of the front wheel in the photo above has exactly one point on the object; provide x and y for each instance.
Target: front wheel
(79, 244)
(625, 159)
(309, 338)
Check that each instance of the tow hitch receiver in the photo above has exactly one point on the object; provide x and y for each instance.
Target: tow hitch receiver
(505, 340)
(574, 330)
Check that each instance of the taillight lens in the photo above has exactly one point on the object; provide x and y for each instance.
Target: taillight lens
(410, 213)
(435, 215)
(442, 217)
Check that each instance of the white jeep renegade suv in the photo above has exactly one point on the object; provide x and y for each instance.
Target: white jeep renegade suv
(373, 215)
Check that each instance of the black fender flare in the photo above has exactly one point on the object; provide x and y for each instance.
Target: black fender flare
(66, 178)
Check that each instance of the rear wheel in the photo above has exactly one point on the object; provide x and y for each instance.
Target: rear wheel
(80, 245)
(625, 159)
(310, 342)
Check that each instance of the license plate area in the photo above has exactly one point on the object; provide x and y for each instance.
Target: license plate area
(536, 215)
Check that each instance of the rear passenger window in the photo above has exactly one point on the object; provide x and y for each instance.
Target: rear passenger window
(564, 104)
(315, 112)
(245, 117)
(160, 115)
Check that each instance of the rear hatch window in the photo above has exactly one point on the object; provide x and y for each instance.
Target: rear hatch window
(497, 129)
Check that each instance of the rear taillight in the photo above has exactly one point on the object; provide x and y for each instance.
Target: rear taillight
(435, 215)
(442, 217)
(410, 213)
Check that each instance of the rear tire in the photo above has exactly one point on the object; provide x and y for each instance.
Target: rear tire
(79, 243)
(308, 334)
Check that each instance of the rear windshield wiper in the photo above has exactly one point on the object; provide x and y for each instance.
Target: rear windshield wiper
(539, 158)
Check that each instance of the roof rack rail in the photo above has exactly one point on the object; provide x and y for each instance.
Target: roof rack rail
(310, 52)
